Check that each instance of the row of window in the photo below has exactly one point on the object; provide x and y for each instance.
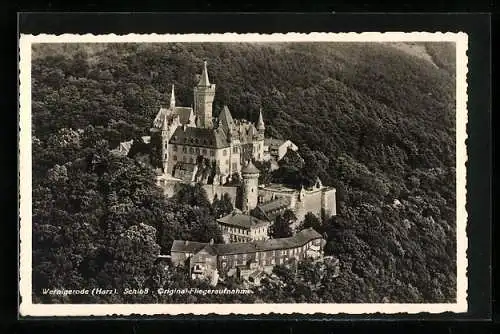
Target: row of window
(184, 159)
(234, 230)
(194, 150)
(202, 151)
(282, 252)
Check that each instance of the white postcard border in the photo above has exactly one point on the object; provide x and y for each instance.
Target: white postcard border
(27, 308)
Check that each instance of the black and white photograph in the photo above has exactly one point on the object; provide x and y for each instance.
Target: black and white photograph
(290, 173)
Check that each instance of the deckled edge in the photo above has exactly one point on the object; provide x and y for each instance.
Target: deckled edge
(27, 308)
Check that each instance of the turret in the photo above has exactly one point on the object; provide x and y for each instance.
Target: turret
(172, 99)
(250, 176)
(204, 94)
(260, 137)
(164, 142)
(260, 123)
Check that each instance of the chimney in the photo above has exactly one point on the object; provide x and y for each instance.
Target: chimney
(211, 242)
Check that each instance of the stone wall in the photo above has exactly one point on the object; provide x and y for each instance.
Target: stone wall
(310, 203)
(330, 203)
(213, 190)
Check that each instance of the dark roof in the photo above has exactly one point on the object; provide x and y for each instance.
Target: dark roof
(236, 248)
(250, 169)
(242, 220)
(184, 114)
(260, 122)
(200, 137)
(209, 249)
(204, 76)
(298, 240)
(225, 119)
(166, 114)
(276, 204)
(273, 142)
(187, 247)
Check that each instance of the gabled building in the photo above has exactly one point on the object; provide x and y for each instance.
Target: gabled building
(277, 148)
(240, 227)
(209, 259)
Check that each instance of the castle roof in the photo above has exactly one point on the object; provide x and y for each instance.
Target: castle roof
(167, 114)
(204, 76)
(260, 122)
(225, 119)
(273, 142)
(200, 137)
(271, 209)
(250, 169)
(298, 240)
(242, 221)
(187, 246)
(208, 249)
(185, 114)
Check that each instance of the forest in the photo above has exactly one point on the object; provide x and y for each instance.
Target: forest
(373, 121)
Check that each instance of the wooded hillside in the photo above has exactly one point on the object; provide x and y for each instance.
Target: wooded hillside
(372, 120)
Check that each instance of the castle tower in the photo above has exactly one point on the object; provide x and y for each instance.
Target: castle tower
(164, 143)
(167, 130)
(204, 94)
(260, 124)
(172, 99)
(250, 175)
(260, 137)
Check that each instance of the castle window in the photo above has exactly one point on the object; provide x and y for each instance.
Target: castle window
(234, 165)
(174, 157)
(204, 151)
(191, 160)
(184, 149)
(235, 149)
(212, 153)
(224, 153)
(191, 150)
(174, 148)
(227, 162)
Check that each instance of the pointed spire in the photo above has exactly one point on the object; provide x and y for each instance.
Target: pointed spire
(204, 76)
(172, 98)
(260, 122)
(226, 119)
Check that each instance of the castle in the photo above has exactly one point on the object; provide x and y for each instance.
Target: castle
(194, 147)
